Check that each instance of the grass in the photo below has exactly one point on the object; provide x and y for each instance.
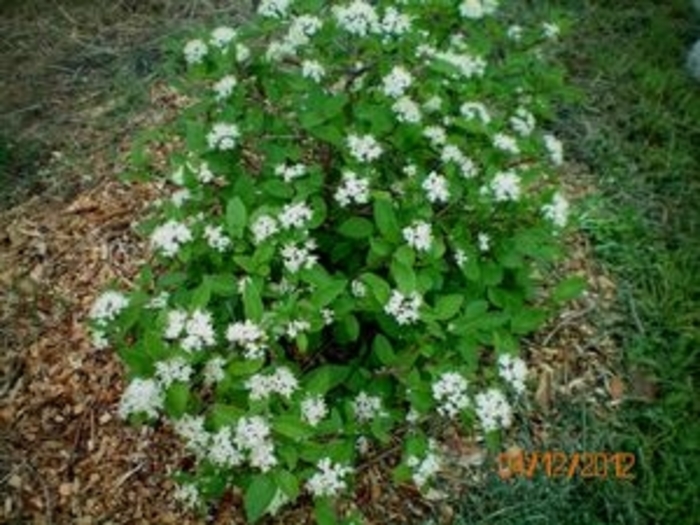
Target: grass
(638, 130)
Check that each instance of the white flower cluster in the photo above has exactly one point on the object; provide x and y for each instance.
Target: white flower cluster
(550, 30)
(476, 9)
(367, 407)
(328, 481)
(404, 308)
(224, 87)
(194, 330)
(475, 110)
(169, 237)
(436, 135)
(248, 335)
(107, 307)
(274, 8)
(282, 381)
(557, 211)
(253, 435)
(523, 122)
(354, 189)
(142, 396)
(216, 239)
(264, 227)
(514, 371)
(313, 410)
(396, 82)
(313, 70)
(358, 289)
(187, 495)
(289, 173)
(300, 32)
(451, 153)
(468, 65)
(214, 370)
(223, 136)
(195, 51)
(172, 370)
(436, 188)
(297, 257)
(364, 148)
(493, 410)
(419, 235)
(191, 430)
(296, 327)
(555, 149)
(506, 143)
(394, 22)
(179, 197)
(505, 186)
(357, 18)
(515, 32)
(406, 110)
(222, 36)
(426, 469)
(450, 390)
(221, 450)
(295, 215)
(484, 241)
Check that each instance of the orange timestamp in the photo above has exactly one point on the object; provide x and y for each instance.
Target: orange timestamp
(556, 464)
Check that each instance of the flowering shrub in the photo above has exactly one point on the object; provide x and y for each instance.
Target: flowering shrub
(360, 217)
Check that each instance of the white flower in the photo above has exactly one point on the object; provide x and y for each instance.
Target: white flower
(179, 197)
(251, 432)
(394, 22)
(301, 29)
(222, 452)
(296, 258)
(99, 339)
(436, 135)
(159, 301)
(199, 331)
(204, 174)
(216, 239)
(296, 327)
(195, 51)
(264, 227)
(506, 143)
(475, 9)
(282, 381)
(274, 8)
(474, 110)
(484, 242)
(364, 148)
(223, 136)
(313, 410)
(418, 235)
(451, 153)
(435, 186)
(406, 110)
(362, 445)
(289, 173)
(295, 215)
(142, 396)
(493, 410)
(367, 407)
(396, 82)
(328, 481)
(550, 30)
(433, 104)
(108, 306)
(514, 371)
(187, 495)
(175, 324)
(450, 390)
(222, 36)
(404, 308)
(357, 18)
(313, 70)
(468, 65)
(358, 289)
(169, 237)
(353, 189)
(263, 456)
(557, 211)
(224, 87)
(191, 430)
(461, 258)
(523, 122)
(410, 170)
(242, 52)
(426, 469)
(515, 32)
(172, 370)
(248, 335)
(506, 186)
(555, 149)
(328, 316)
(214, 370)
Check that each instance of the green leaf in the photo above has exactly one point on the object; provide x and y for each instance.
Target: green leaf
(378, 286)
(324, 512)
(447, 306)
(222, 285)
(356, 228)
(236, 217)
(223, 415)
(244, 367)
(385, 218)
(320, 109)
(404, 276)
(325, 378)
(291, 427)
(252, 303)
(347, 329)
(569, 289)
(527, 320)
(201, 295)
(288, 483)
(176, 399)
(383, 350)
(325, 294)
(258, 497)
